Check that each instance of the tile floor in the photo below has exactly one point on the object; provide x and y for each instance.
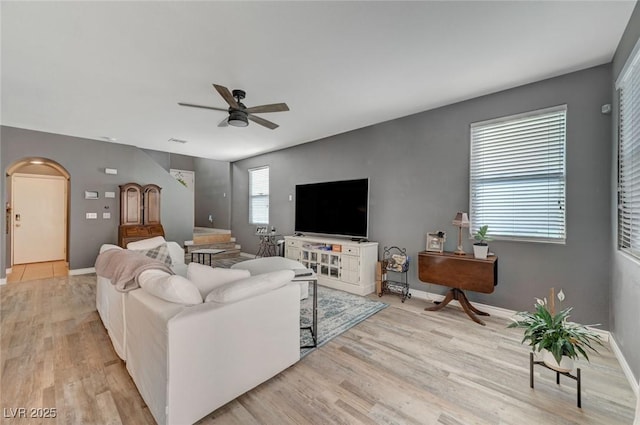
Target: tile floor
(34, 271)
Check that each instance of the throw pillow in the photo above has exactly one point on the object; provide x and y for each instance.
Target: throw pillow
(146, 243)
(160, 253)
(208, 278)
(249, 287)
(172, 288)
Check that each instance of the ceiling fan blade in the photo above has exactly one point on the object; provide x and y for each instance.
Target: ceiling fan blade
(263, 122)
(203, 107)
(274, 107)
(226, 95)
(224, 122)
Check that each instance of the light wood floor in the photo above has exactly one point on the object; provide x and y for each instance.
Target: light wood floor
(34, 271)
(401, 366)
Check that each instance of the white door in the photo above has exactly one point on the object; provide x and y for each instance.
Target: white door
(39, 218)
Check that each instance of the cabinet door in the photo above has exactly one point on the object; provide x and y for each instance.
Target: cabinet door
(151, 204)
(350, 269)
(293, 253)
(130, 204)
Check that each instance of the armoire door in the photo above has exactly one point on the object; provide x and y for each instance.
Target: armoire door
(130, 204)
(151, 204)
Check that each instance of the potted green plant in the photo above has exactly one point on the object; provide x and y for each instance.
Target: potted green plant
(481, 248)
(560, 340)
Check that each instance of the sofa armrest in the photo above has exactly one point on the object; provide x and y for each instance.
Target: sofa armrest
(219, 351)
(176, 252)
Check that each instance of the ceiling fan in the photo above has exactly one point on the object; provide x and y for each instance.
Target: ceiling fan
(240, 114)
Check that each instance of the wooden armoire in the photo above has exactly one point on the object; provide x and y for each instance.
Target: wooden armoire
(139, 213)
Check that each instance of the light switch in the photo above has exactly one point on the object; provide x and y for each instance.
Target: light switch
(106, 215)
(91, 216)
(109, 194)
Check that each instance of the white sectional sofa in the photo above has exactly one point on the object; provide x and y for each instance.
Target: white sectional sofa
(188, 359)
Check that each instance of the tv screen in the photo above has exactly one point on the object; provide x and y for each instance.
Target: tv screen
(334, 208)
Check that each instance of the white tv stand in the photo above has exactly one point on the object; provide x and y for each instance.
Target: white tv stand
(339, 263)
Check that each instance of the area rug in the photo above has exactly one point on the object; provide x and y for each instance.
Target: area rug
(338, 311)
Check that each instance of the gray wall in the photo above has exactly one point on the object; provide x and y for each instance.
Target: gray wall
(86, 160)
(625, 282)
(213, 193)
(418, 168)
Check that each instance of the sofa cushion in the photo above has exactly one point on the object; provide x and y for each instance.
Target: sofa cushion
(250, 286)
(207, 278)
(268, 264)
(172, 288)
(160, 253)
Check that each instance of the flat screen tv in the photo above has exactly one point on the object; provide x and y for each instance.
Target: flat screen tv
(339, 208)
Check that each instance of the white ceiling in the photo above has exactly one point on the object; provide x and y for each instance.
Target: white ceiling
(118, 69)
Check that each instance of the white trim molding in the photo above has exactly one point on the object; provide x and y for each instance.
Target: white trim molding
(625, 366)
(495, 311)
(88, 270)
(506, 313)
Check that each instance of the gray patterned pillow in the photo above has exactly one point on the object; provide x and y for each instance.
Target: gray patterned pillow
(160, 253)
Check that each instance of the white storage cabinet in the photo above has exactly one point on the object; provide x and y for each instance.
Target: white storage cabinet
(339, 263)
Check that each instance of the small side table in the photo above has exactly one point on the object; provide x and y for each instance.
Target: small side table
(201, 254)
(268, 246)
(577, 377)
(313, 279)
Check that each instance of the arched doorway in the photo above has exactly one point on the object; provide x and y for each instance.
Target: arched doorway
(37, 212)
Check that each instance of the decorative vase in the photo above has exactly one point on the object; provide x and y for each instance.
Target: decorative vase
(480, 251)
(566, 363)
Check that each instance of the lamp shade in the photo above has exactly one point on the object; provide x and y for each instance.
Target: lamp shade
(238, 119)
(461, 219)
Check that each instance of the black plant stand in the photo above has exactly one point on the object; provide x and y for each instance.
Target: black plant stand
(567, 374)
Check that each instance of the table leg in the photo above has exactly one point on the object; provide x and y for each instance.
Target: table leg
(468, 308)
(314, 321)
(440, 305)
(459, 295)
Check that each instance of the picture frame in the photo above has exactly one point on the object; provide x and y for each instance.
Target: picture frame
(435, 242)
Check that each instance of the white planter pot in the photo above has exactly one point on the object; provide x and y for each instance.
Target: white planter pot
(566, 363)
(480, 251)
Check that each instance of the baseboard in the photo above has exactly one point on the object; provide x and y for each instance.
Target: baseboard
(495, 311)
(82, 271)
(506, 313)
(625, 366)
(247, 255)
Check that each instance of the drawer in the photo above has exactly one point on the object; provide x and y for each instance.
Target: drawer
(353, 250)
(294, 243)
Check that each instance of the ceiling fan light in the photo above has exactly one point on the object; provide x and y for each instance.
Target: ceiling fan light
(238, 119)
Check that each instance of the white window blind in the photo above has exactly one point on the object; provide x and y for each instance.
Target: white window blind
(259, 195)
(629, 157)
(517, 176)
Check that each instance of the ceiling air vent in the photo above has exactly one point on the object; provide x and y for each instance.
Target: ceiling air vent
(173, 139)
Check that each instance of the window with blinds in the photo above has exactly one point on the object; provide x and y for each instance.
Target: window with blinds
(628, 86)
(259, 195)
(517, 176)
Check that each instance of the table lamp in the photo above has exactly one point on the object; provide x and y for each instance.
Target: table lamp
(461, 220)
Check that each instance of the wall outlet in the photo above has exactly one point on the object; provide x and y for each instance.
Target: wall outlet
(109, 194)
(106, 216)
(91, 216)
(111, 171)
